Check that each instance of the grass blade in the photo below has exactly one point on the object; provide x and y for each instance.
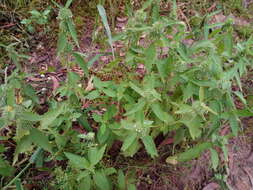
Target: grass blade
(102, 14)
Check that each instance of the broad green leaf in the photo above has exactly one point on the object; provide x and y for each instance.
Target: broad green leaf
(19, 185)
(5, 168)
(85, 183)
(62, 42)
(23, 145)
(102, 181)
(103, 128)
(182, 50)
(40, 139)
(121, 180)
(202, 45)
(150, 57)
(49, 117)
(136, 107)
(150, 146)
(103, 136)
(83, 121)
(11, 97)
(228, 43)
(179, 136)
(201, 94)
(214, 158)
(80, 61)
(128, 141)
(240, 96)
(137, 89)
(155, 94)
(101, 84)
(29, 116)
(60, 140)
(211, 84)
(82, 175)
(208, 109)
(188, 91)
(238, 80)
(110, 171)
(147, 4)
(77, 161)
(73, 78)
(244, 113)
(131, 187)
(68, 3)
(155, 12)
(3, 122)
(72, 31)
(95, 154)
(35, 156)
(22, 129)
(109, 92)
(30, 92)
(163, 116)
(93, 59)
(103, 16)
(194, 125)
(189, 154)
(132, 149)
(35, 13)
(163, 68)
(234, 124)
(110, 113)
(93, 95)
(184, 109)
(2, 148)
(225, 152)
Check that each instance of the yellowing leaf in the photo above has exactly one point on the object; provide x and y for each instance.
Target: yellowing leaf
(201, 93)
(172, 160)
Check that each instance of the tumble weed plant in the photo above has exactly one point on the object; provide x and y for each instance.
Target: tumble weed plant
(186, 90)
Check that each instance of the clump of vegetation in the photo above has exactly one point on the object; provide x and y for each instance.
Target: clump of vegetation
(185, 91)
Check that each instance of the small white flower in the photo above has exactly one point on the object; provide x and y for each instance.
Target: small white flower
(43, 89)
(42, 76)
(80, 85)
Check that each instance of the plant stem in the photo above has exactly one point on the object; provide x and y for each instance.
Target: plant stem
(17, 176)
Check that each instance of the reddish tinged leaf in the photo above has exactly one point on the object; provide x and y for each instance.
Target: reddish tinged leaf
(166, 142)
(56, 84)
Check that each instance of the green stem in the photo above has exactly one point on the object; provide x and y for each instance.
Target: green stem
(17, 176)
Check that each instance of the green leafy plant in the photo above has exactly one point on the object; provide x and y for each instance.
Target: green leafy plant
(39, 18)
(171, 89)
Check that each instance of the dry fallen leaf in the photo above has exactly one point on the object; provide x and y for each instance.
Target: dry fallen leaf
(212, 186)
(90, 84)
(55, 83)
